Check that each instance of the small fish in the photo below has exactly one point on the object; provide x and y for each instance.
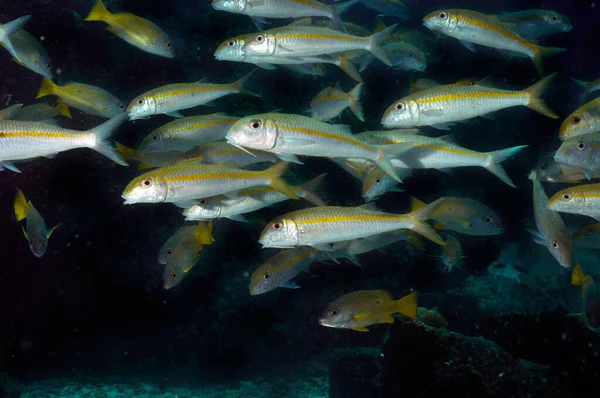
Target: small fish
(224, 153)
(279, 270)
(591, 298)
(184, 181)
(43, 111)
(580, 199)
(363, 308)
(249, 200)
(588, 87)
(148, 160)
(167, 248)
(377, 183)
(10, 112)
(31, 54)
(439, 153)
(87, 98)
(392, 8)
(283, 8)
(172, 98)
(551, 229)
(451, 253)
(331, 102)
(137, 31)
(581, 151)
(441, 105)
(463, 215)
(405, 56)
(551, 171)
(588, 236)
(8, 29)
(320, 226)
(307, 41)
(289, 135)
(532, 24)
(185, 255)
(585, 120)
(474, 27)
(184, 133)
(25, 140)
(35, 231)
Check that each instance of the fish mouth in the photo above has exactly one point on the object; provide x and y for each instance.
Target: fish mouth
(127, 200)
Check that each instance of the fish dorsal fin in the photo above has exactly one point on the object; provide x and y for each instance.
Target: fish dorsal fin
(369, 206)
(380, 27)
(449, 138)
(416, 204)
(578, 278)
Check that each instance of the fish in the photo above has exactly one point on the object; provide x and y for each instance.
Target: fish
(167, 248)
(307, 41)
(464, 215)
(10, 112)
(532, 24)
(279, 270)
(147, 159)
(451, 253)
(320, 226)
(85, 97)
(440, 153)
(585, 120)
(588, 87)
(549, 170)
(289, 135)
(249, 200)
(35, 230)
(232, 50)
(137, 31)
(43, 111)
(31, 54)
(591, 298)
(185, 255)
(172, 98)
(26, 140)
(405, 56)
(363, 308)
(581, 151)
(588, 236)
(377, 183)
(224, 153)
(580, 199)
(184, 181)
(441, 105)
(551, 229)
(8, 29)
(330, 102)
(392, 8)
(184, 133)
(474, 27)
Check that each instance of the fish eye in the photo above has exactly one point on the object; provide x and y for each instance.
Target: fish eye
(147, 182)
(333, 312)
(399, 106)
(377, 301)
(231, 43)
(377, 180)
(554, 17)
(169, 252)
(155, 137)
(442, 16)
(543, 167)
(140, 101)
(255, 124)
(266, 276)
(277, 225)
(260, 38)
(169, 45)
(567, 196)
(589, 232)
(488, 219)
(581, 145)
(48, 65)
(122, 107)
(555, 244)
(173, 275)
(203, 201)
(576, 119)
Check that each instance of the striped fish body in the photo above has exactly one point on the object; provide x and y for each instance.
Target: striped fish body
(535, 23)
(277, 8)
(581, 199)
(9, 113)
(585, 120)
(393, 8)
(329, 104)
(224, 153)
(184, 133)
(40, 112)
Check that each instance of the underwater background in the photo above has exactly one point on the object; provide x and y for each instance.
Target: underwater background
(91, 318)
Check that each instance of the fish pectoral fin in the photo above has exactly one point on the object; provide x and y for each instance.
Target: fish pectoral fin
(361, 329)
(11, 166)
(174, 114)
(284, 49)
(441, 126)
(325, 247)
(389, 319)
(289, 157)
(49, 233)
(468, 45)
(266, 66)
(290, 285)
(298, 141)
(363, 315)
(185, 204)
(432, 112)
(25, 233)
(238, 218)
(18, 62)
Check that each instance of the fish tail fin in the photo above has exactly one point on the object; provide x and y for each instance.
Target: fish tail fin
(578, 278)
(384, 153)
(47, 88)
(307, 190)
(124, 151)
(421, 227)
(203, 233)
(540, 52)
(497, 157)
(348, 67)
(355, 105)
(98, 12)
(375, 41)
(101, 134)
(407, 305)
(535, 92)
(21, 205)
(240, 85)
(416, 204)
(338, 9)
(10, 28)
(276, 182)
(63, 108)
(416, 241)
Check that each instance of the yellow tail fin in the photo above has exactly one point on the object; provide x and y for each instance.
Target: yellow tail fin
(416, 204)
(534, 93)
(98, 12)
(578, 278)
(407, 305)
(125, 152)
(48, 88)
(203, 233)
(64, 109)
(541, 52)
(416, 241)
(276, 182)
(21, 206)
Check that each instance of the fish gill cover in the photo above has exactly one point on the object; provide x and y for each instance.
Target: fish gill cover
(284, 198)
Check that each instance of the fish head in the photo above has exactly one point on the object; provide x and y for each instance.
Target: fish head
(147, 188)
(548, 168)
(235, 6)
(376, 184)
(42, 66)
(280, 233)
(38, 244)
(231, 50)
(488, 223)
(261, 44)
(402, 113)
(205, 209)
(263, 280)
(142, 107)
(172, 276)
(442, 21)
(156, 141)
(253, 132)
(337, 315)
(577, 151)
(577, 124)
(557, 22)
(567, 201)
(561, 248)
